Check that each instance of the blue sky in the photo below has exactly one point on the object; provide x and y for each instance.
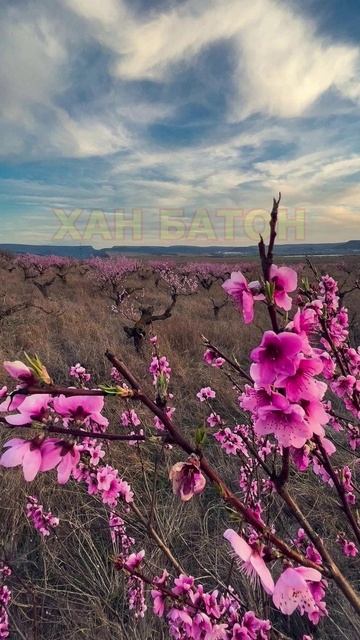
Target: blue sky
(188, 106)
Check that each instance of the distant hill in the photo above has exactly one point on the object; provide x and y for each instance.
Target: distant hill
(352, 247)
(81, 252)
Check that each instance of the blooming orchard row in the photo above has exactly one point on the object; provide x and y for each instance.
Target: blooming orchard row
(298, 400)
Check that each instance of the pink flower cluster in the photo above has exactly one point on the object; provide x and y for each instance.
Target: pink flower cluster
(80, 374)
(286, 400)
(348, 547)
(230, 441)
(299, 588)
(283, 281)
(158, 424)
(211, 358)
(115, 375)
(341, 361)
(160, 367)
(161, 371)
(130, 561)
(195, 614)
(131, 421)
(179, 283)
(5, 598)
(135, 588)
(106, 483)
(346, 481)
(40, 455)
(206, 393)
(119, 536)
(109, 273)
(43, 521)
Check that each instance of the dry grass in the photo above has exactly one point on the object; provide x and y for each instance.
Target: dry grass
(65, 587)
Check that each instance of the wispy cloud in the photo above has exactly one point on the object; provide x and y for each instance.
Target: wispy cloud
(202, 103)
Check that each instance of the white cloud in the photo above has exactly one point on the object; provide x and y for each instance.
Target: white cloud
(105, 12)
(284, 65)
(87, 136)
(32, 66)
(309, 173)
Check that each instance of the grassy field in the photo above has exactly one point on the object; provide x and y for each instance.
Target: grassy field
(65, 587)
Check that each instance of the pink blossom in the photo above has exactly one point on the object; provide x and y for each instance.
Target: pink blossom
(285, 281)
(79, 372)
(329, 365)
(252, 399)
(344, 385)
(301, 383)
(239, 632)
(19, 371)
(251, 561)
(230, 442)
(5, 571)
(349, 548)
(60, 454)
(242, 293)
(276, 355)
(115, 376)
(212, 359)
(214, 420)
(158, 424)
(218, 632)
(292, 590)
(187, 479)
(112, 487)
(34, 408)
(28, 453)
(205, 394)
(43, 521)
(301, 457)
(134, 560)
(130, 418)
(305, 321)
(180, 622)
(12, 402)
(255, 626)
(5, 599)
(313, 555)
(286, 421)
(136, 596)
(82, 409)
(183, 584)
(96, 454)
(315, 415)
(160, 366)
(158, 596)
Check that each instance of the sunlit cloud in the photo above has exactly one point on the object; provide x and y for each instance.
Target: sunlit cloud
(204, 103)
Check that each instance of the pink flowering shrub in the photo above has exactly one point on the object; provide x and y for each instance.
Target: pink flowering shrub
(296, 407)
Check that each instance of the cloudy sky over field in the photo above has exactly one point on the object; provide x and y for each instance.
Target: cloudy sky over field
(159, 104)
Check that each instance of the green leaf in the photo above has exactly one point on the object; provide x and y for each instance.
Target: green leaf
(200, 435)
